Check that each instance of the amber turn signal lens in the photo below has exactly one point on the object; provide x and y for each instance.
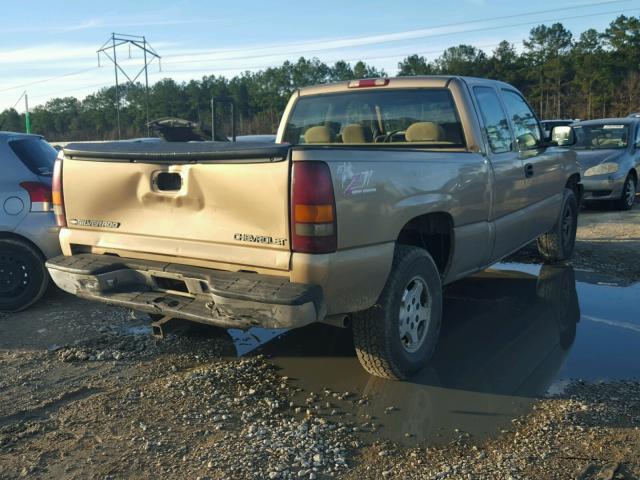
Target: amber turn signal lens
(314, 213)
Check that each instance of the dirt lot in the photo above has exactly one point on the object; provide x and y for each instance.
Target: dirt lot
(608, 241)
(86, 393)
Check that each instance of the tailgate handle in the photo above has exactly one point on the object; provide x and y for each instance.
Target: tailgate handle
(167, 182)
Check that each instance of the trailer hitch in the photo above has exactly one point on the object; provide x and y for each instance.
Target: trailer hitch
(157, 328)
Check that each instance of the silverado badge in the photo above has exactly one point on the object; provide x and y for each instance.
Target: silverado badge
(80, 222)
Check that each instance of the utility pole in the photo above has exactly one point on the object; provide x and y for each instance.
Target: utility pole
(224, 101)
(109, 50)
(27, 119)
(115, 69)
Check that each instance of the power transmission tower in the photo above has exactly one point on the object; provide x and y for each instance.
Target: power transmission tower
(108, 49)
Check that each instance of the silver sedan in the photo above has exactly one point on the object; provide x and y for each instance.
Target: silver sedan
(609, 156)
(28, 231)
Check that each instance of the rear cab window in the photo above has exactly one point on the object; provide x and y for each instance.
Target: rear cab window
(420, 117)
(36, 154)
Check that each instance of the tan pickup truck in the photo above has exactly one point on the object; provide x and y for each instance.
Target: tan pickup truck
(375, 195)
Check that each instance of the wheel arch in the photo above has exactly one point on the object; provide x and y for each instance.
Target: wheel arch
(434, 233)
(574, 183)
(14, 236)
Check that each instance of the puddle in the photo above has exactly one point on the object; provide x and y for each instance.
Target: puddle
(509, 335)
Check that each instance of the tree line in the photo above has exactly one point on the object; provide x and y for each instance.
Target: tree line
(594, 75)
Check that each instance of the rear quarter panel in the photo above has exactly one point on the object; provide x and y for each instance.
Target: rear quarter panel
(377, 193)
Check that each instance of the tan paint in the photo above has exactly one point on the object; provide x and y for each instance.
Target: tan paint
(200, 221)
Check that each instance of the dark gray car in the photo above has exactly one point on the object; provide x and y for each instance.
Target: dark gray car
(28, 231)
(609, 156)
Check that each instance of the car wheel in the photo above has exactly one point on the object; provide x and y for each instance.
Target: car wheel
(23, 276)
(396, 337)
(557, 244)
(628, 197)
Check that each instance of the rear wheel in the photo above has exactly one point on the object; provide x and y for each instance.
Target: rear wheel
(628, 197)
(557, 244)
(397, 336)
(23, 276)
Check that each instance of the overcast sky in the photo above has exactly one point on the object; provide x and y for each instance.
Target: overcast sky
(49, 48)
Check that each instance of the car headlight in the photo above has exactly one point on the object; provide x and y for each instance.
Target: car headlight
(602, 169)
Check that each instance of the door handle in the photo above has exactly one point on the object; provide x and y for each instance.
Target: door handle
(528, 170)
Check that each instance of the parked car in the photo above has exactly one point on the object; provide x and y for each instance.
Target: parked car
(256, 138)
(634, 115)
(609, 154)
(549, 125)
(376, 194)
(28, 230)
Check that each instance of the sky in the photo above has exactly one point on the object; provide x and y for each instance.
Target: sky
(48, 49)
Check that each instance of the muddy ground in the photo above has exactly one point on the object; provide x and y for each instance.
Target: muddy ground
(537, 376)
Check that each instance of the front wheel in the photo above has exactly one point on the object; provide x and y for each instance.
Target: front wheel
(557, 244)
(397, 336)
(628, 197)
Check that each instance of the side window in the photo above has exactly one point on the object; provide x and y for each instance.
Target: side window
(523, 120)
(637, 142)
(495, 120)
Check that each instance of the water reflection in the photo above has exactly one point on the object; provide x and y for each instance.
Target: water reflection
(505, 336)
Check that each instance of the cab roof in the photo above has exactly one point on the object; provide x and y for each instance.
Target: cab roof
(427, 81)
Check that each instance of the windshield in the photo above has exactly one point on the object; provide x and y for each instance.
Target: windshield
(425, 117)
(36, 154)
(601, 136)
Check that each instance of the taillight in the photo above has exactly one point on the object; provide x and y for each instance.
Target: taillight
(56, 193)
(313, 209)
(369, 82)
(40, 195)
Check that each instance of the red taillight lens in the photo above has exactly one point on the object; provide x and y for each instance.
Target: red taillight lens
(313, 209)
(40, 195)
(56, 193)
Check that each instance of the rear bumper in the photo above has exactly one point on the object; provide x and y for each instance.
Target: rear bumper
(225, 299)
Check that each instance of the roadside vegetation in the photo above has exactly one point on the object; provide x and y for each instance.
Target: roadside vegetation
(593, 75)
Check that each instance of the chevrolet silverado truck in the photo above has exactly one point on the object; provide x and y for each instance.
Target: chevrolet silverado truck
(376, 193)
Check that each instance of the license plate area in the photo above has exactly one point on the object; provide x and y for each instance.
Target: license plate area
(170, 285)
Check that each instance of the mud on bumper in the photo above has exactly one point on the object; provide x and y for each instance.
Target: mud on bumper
(226, 299)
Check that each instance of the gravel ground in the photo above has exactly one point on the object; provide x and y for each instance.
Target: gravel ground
(85, 392)
(608, 241)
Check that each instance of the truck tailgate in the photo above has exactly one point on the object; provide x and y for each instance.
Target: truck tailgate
(200, 201)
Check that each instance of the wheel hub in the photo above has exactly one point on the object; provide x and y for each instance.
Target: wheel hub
(567, 225)
(630, 193)
(12, 275)
(415, 315)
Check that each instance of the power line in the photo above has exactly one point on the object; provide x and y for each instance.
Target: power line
(57, 77)
(446, 25)
(476, 30)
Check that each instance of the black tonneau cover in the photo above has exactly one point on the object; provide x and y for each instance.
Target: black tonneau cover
(178, 152)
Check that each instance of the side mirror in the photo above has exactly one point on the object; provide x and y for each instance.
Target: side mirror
(563, 135)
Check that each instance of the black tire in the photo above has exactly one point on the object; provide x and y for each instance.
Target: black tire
(557, 244)
(376, 331)
(628, 197)
(23, 276)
